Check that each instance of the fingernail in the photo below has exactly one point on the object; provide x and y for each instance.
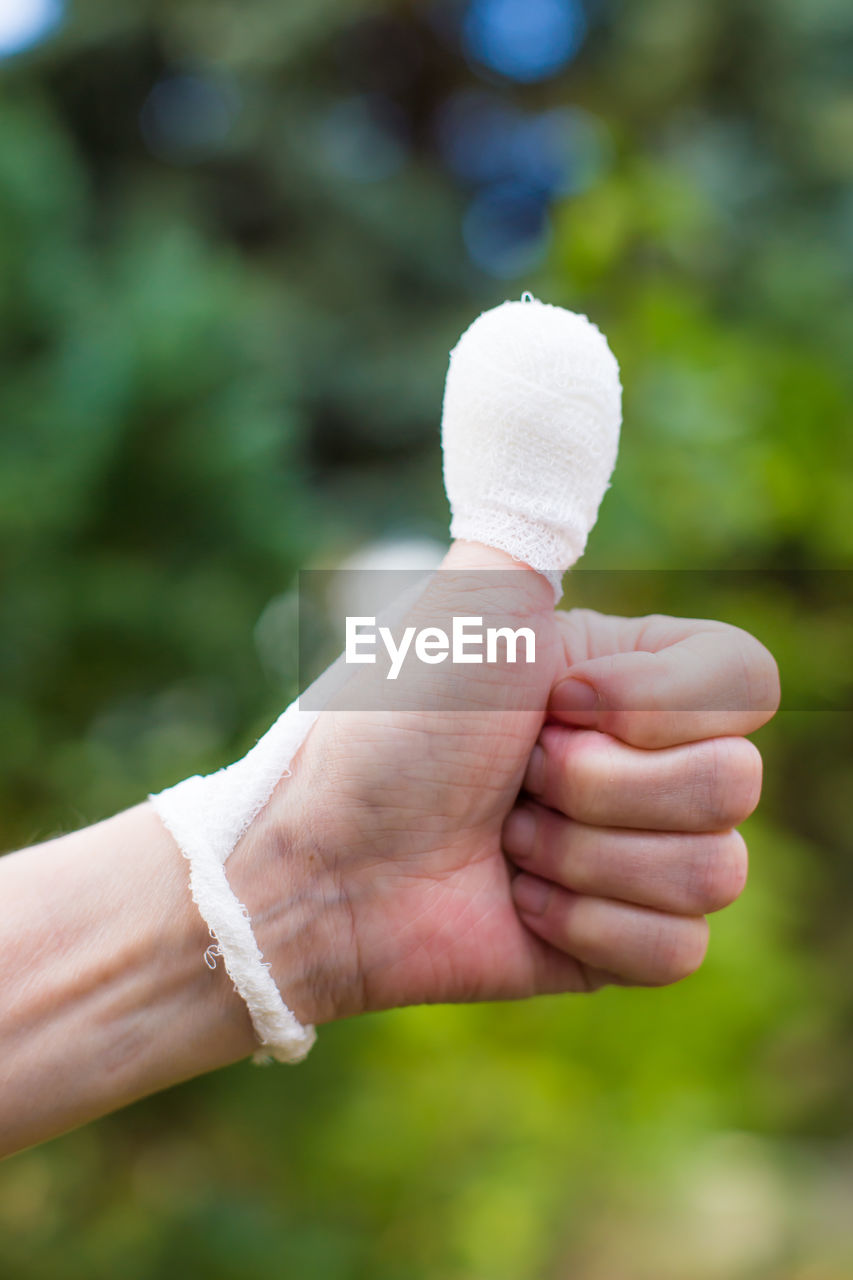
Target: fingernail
(519, 830)
(574, 695)
(531, 894)
(534, 778)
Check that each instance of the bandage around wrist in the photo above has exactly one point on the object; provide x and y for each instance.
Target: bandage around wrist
(206, 817)
(530, 429)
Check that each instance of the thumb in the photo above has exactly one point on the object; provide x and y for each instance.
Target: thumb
(478, 633)
(529, 591)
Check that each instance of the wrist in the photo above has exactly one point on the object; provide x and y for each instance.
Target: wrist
(106, 995)
(298, 909)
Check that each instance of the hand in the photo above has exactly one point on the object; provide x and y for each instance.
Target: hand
(549, 828)
(547, 837)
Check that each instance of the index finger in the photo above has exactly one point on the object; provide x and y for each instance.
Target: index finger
(666, 681)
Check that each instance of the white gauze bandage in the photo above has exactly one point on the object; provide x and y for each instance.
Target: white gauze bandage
(530, 429)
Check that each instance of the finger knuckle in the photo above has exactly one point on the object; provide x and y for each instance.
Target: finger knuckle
(588, 769)
(762, 676)
(719, 873)
(745, 770)
(732, 779)
(648, 728)
(680, 949)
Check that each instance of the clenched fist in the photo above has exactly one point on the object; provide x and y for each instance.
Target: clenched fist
(494, 833)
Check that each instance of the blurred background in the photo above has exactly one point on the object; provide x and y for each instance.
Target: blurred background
(237, 242)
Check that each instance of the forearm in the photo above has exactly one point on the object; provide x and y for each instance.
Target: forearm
(104, 994)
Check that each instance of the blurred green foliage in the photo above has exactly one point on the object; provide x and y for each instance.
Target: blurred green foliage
(222, 358)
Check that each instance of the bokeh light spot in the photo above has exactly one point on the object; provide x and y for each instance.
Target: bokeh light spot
(188, 117)
(506, 230)
(524, 40)
(363, 138)
(567, 149)
(483, 139)
(475, 133)
(24, 22)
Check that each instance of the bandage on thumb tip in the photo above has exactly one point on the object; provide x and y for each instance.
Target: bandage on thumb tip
(530, 430)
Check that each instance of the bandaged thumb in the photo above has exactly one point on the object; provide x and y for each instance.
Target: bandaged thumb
(530, 431)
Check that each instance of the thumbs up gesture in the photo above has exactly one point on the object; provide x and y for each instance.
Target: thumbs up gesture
(492, 833)
(490, 828)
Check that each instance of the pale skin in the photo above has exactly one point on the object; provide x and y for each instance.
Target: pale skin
(503, 851)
